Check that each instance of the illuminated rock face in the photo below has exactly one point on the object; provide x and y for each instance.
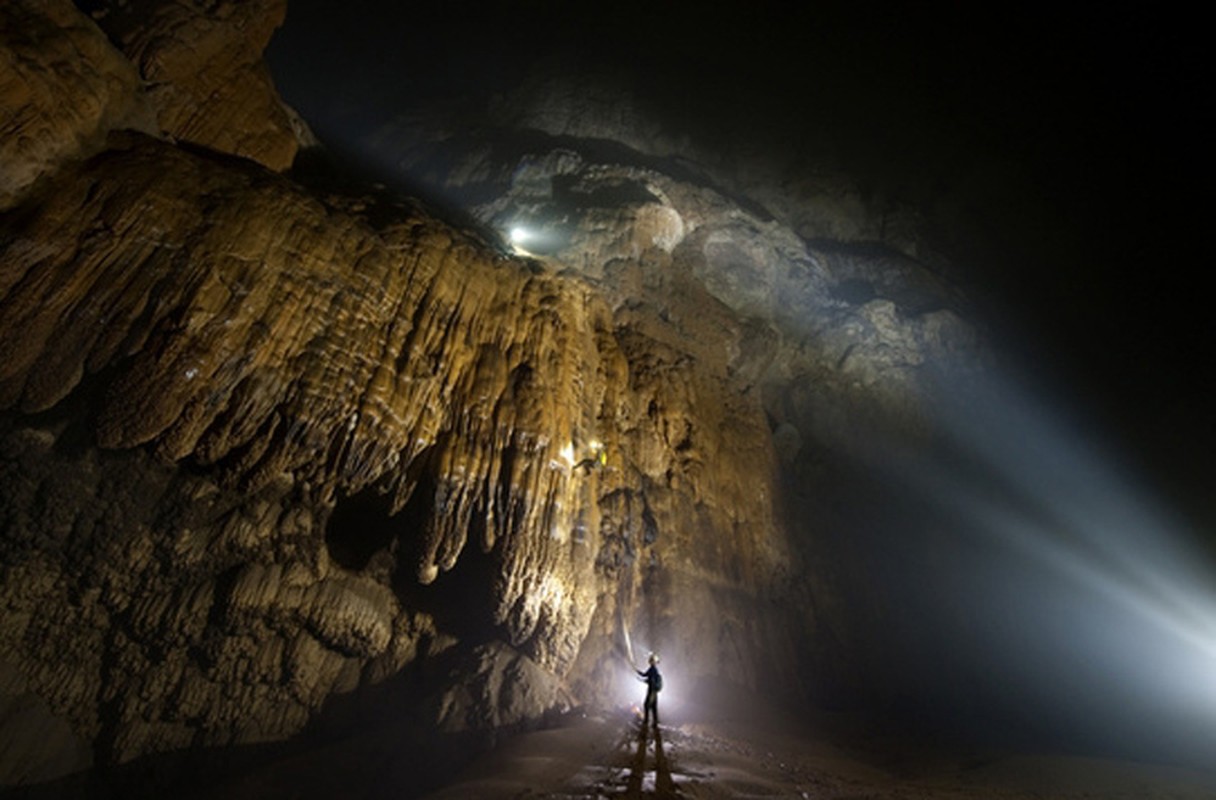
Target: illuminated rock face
(265, 452)
(840, 320)
(62, 88)
(168, 68)
(202, 67)
(294, 357)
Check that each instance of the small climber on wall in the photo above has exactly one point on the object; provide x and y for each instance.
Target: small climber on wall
(597, 459)
(654, 685)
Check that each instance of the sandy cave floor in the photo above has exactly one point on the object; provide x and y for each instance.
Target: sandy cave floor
(598, 757)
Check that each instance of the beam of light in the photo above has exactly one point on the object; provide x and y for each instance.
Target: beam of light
(675, 699)
(1079, 590)
(628, 643)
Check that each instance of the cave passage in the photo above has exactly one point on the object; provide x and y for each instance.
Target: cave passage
(361, 527)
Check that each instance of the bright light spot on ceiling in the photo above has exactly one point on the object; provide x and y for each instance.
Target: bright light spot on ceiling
(523, 239)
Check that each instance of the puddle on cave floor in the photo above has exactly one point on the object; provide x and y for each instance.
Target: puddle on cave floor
(605, 757)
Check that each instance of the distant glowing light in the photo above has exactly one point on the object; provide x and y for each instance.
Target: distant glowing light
(530, 240)
(521, 237)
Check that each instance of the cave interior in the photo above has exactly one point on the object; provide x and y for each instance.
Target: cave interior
(381, 385)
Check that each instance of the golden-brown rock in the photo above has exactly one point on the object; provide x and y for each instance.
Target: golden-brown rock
(604, 469)
(63, 86)
(266, 465)
(202, 66)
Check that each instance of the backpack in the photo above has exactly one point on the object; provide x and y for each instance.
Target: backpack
(658, 682)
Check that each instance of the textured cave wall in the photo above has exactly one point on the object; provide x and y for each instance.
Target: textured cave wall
(264, 450)
(203, 74)
(62, 87)
(288, 356)
(846, 313)
(189, 71)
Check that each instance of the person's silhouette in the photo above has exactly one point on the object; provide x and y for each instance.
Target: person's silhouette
(654, 684)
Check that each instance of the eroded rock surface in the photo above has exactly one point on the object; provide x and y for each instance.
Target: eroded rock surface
(294, 356)
(201, 64)
(842, 311)
(190, 71)
(63, 86)
(275, 459)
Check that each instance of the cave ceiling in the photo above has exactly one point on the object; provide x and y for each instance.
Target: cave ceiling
(1043, 154)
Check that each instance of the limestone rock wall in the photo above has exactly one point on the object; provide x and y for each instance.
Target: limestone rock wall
(802, 179)
(190, 71)
(201, 64)
(838, 324)
(288, 355)
(63, 86)
(276, 459)
(840, 317)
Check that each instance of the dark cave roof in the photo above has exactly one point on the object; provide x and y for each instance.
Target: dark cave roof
(1102, 112)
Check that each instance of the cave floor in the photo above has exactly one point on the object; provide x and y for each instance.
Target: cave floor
(713, 758)
(595, 757)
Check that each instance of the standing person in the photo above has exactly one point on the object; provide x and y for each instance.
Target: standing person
(654, 685)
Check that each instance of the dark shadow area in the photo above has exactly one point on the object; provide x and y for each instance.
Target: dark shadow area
(463, 600)
(361, 526)
(648, 778)
(73, 419)
(377, 743)
(663, 786)
(375, 765)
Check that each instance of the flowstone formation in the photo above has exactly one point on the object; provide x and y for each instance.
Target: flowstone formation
(847, 315)
(279, 460)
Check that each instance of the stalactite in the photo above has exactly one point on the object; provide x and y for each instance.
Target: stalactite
(204, 364)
